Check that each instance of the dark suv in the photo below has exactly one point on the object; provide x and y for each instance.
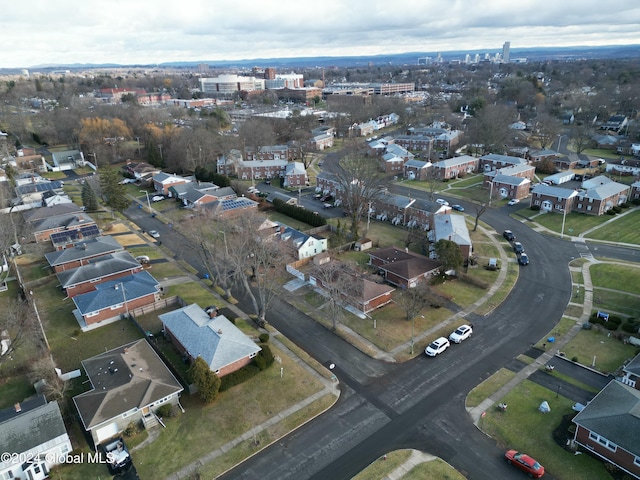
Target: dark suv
(508, 234)
(517, 247)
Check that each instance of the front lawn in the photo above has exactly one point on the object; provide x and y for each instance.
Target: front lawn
(625, 229)
(575, 223)
(597, 349)
(616, 277)
(524, 428)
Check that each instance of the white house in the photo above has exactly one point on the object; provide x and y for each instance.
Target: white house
(304, 245)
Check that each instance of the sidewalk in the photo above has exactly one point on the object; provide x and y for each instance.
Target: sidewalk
(477, 412)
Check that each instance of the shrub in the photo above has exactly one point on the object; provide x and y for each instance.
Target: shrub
(535, 208)
(636, 201)
(574, 359)
(264, 337)
(261, 363)
(625, 205)
(131, 429)
(267, 354)
(163, 410)
(616, 209)
(239, 376)
(611, 212)
(631, 327)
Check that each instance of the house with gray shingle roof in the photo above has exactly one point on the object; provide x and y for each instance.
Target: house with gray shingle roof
(403, 268)
(454, 229)
(128, 384)
(452, 167)
(416, 169)
(600, 194)
(114, 298)
(81, 252)
(211, 337)
(31, 428)
(493, 161)
(304, 245)
(553, 199)
(609, 426)
(84, 278)
(507, 186)
(45, 228)
(631, 373)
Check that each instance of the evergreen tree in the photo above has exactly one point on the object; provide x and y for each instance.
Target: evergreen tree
(208, 382)
(89, 198)
(114, 193)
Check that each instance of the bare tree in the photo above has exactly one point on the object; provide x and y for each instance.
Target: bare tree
(44, 368)
(581, 137)
(18, 328)
(360, 184)
(338, 284)
(547, 129)
(490, 127)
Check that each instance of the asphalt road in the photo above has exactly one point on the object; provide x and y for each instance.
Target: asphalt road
(419, 404)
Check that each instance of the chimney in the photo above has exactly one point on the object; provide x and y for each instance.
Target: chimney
(17, 407)
(213, 312)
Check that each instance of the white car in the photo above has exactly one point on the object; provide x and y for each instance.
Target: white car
(157, 198)
(461, 333)
(154, 233)
(513, 201)
(436, 347)
(442, 201)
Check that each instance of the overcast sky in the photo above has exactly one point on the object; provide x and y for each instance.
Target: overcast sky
(60, 32)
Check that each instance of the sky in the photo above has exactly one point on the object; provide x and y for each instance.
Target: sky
(126, 32)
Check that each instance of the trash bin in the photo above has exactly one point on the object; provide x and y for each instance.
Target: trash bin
(206, 276)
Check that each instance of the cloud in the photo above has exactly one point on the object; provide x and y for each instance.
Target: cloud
(144, 31)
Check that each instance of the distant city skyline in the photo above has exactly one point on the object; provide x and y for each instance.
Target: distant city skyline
(129, 32)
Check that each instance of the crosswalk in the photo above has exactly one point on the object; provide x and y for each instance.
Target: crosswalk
(583, 250)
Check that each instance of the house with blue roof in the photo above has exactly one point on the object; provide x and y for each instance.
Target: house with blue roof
(209, 336)
(114, 298)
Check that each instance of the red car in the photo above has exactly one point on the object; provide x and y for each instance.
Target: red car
(525, 463)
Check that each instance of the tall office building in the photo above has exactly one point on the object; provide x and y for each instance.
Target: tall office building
(505, 52)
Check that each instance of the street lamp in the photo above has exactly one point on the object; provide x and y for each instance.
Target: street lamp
(564, 216)
(148, 202)
(490, 182)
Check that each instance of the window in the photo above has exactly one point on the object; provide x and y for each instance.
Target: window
(603, 441)
(636, 461)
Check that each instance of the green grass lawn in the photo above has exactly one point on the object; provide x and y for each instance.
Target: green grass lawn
(575, 223)
(436, 469)
(524, 428)
(383, 467)
(625, 229)
(487, 388)
(618, 302)
(14, 389)
(609, 353)
(193, 292)
(466, 182)
(616, 277)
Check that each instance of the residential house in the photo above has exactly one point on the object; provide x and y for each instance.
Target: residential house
(391, 207)
(139, 170)
(631, 373)
(537, 156)
(163, 181)
(295, 175)
(304, 245)
(608, 427)
(507, 186)
(443, 137)
(402, 268)
(454, 229)
(226, 164)
(635, 191)
(67, 160)
(608, 142)
(415, 143)
(33, 432)
(52, 197)
(112, 299)
(230, 206)
(615, 123)
(553, 199)
(61, 225)
(494, 161)
(101, 269)
(321, 141)
(269, 152)
(197, 194)
(520, 171)
(600, 194)
(420, 213)
(31, 193)
(452, 167)
(394, 158)
(80, 253)
(417, 169)
(560, 177)
(624, 168)
(29, 163)
(127, 384)
(209, 336)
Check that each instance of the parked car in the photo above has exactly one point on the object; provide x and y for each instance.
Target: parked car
(492, 264)
(327, 205)
(117, 456)
(143, 259)
(525, 463)
(517, 247)
(154, 233)
(436, 347)
(461, 333)
(508, 234)
(523, 259)
(458, 208)
(157, 198)
(513, 201)
(442, 201)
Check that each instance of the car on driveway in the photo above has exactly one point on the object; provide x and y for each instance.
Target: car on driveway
(517, 247)
(461, 333)
(436, 347)
(525, 463)
(508, 234)
(442, 201)
(157, 198)
(513, 201)
(458, 208)
(523, 259)
(154, 233)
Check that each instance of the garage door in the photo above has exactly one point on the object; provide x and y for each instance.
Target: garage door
(109, 431)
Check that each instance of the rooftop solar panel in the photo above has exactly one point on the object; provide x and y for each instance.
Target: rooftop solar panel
(64, 237)
(89, 230)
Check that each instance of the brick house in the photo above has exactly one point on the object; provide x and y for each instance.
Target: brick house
(454, 229)
(209, 336)
(420, 213)
(553, 199)
(635, 191)
(45, 229)
(452, 167)
(101, 269)
(608, 427)
(321, 141)
(295, 175)
(600, 194)
(402, 268)
(415, 143)
(163, 181)
(138, 170)
(82, 252)
(521, 171)
(494, 161)
(127, 384)
(416, 169)
(507, 186)
(114, 298)
(631, 373)
(270, 152)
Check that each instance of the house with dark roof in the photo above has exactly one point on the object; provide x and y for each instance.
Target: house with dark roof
(138, 170)
(635, 191)
(209, 336)
(494, 161)
(38, 214)
(403, 268)
(391, 207)
(507, 186)
(34, 432)
(68, 159)
(230, 206)
(44, 229)
(128, 384)
(631, 373)
(415, 169)
(609, 426)
(452, 167)
(82, 252)
(195, 194)
(84, 278)
(110, 300)
(420, 213)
